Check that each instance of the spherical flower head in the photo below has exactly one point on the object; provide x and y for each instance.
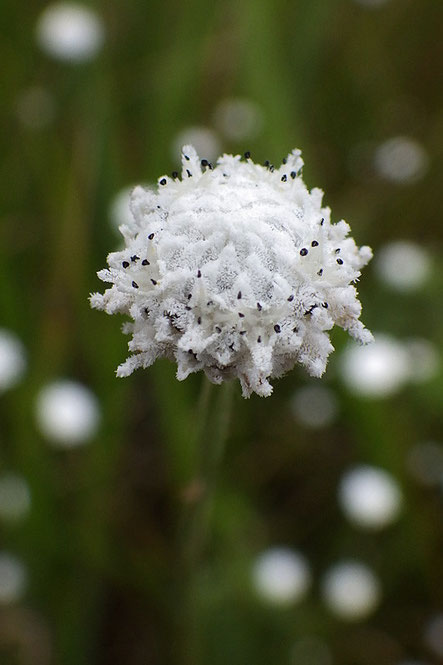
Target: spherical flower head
(70, 31)
(236, 270)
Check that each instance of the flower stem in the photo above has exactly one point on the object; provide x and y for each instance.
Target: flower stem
(210, 438)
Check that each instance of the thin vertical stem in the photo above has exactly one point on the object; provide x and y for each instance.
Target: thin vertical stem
(211, 435)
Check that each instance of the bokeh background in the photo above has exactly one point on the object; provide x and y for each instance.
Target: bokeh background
(326, 537)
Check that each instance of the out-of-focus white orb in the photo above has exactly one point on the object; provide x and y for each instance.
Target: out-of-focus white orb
(351, 590)
(403, 265)
(424, 359)
(204, 140)
(281, 576)
(377, 370)
(238, 119)
(35, 107)
(12, 360)
(119, 210)
(70, 31)
(401, 160)
(15, 497)
(425, 463)
(310, 650)
(369, 497)
(433, 635)
(13, 578)
(68, 413)
(314, 406)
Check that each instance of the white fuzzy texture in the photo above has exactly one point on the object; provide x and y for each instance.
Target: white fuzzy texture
(235, 270)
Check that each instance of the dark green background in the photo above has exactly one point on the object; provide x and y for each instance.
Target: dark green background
(99, 543)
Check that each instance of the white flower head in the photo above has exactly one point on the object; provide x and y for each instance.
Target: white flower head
(403, 265)
(70, 31)
(377, 371)
(281, 576)
(401, 160)
(370, 497)
(235, 270)
(351, 590)
(68, 413)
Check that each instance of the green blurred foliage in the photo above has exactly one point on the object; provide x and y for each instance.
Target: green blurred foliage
(334, 78)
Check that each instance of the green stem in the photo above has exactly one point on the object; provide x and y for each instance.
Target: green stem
(214, 410)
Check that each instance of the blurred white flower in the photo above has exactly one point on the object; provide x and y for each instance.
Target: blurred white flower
(15, 497)
(377, 370)
(12, 360)
(68, 413)
(13, 578)
(314, 406)
(238, 119)
(424, 359)
(235, 270)
(70, 31)
(119, 209)
(401, 160)
(204, 139)
(351, 590)
(35, 107)
(425, 463)
(281, 576)
(370, 497)
(403, 265)
(311, 650)
(384, 367)
(433, 635)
